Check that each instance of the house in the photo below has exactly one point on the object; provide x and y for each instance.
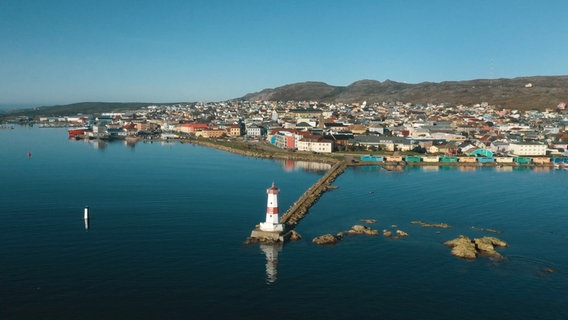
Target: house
(439, 148)
(254, 130)
(235, 130)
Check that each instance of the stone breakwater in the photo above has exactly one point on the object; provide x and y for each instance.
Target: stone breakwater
(300, 208)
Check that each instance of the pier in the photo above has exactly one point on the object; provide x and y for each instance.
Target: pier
(300, 208)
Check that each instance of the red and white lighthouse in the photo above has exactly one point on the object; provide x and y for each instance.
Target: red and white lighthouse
(272, 222)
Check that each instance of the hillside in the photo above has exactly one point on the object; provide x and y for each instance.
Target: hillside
(546, 91)
(78, 108)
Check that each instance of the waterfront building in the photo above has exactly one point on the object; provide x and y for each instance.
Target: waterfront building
(315, 144)
(528, 149)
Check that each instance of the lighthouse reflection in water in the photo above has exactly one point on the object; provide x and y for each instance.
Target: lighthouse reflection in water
(271, 252)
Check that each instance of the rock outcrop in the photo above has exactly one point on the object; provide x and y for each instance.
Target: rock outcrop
(294, 236)
(401, 233)
(359, 229)
(464, 247)
(326, 239)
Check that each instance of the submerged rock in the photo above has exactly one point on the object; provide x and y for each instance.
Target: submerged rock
(432, 225)
(368, 221)
(326, 239)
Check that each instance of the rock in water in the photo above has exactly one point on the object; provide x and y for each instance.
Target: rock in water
(369, 221)
(462, 247)
(401, 233)
(465, 251)
(483, 244)
(387, 233)
(359, 229)
(495, 241)
(294, 236)
(326, 239)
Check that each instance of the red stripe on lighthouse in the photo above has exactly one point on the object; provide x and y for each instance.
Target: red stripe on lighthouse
(272, 210)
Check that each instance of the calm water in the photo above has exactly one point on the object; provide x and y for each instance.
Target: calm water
(168, 221)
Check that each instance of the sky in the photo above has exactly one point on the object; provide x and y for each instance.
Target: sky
(66, 51)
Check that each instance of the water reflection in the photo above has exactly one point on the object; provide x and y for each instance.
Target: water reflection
(271, 252)
(308, 166)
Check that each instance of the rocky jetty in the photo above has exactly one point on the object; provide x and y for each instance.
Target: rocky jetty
(464, 247)
(300, 208)
(327, 239)
(359, 229)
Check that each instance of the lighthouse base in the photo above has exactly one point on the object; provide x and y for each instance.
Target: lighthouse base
(271, 227)
(267, 236)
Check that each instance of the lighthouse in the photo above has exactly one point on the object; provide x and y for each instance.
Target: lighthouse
(272, 223)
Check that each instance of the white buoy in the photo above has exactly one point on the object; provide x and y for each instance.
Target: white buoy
(86, 215)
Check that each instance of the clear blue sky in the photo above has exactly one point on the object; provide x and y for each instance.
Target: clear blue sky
(64, 51)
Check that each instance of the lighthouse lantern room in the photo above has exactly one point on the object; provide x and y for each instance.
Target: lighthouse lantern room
(272, 222)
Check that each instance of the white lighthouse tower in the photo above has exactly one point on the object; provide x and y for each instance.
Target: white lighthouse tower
(272, 224)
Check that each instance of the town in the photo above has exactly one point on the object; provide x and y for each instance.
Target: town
(378, 132)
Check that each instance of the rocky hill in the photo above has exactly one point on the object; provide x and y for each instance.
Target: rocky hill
(523, 93)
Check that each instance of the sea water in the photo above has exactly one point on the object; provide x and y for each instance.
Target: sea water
(168, 220)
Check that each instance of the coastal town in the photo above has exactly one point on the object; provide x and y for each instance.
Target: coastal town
(379, 132)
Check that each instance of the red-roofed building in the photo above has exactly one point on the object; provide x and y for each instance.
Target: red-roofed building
(191, 128)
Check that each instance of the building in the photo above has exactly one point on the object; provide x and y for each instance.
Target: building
(213, 133)
(315, 144)
(527, 149)
(191, 128)
(235, 130)
(285, 140)
(254, 130)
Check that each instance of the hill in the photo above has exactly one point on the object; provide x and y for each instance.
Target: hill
(522, 93)
(77, 108)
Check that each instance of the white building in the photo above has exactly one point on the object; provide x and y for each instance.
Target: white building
(527, 149)
(253, 130)
(315, 144)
